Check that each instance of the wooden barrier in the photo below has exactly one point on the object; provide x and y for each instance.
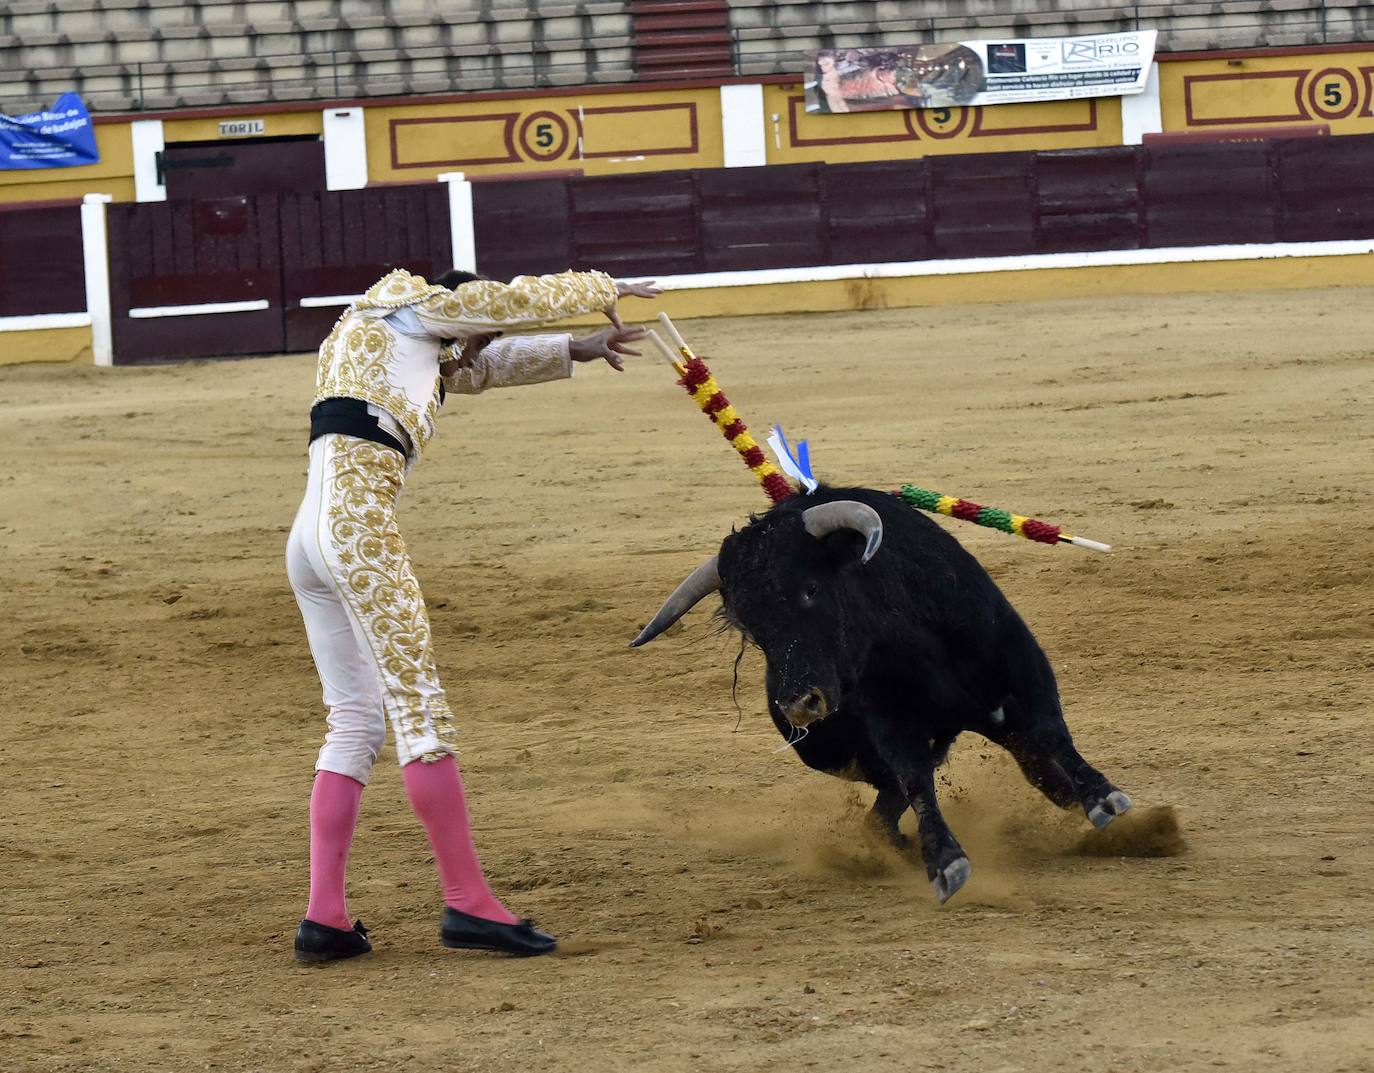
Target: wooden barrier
(267, 273)
(981, 205)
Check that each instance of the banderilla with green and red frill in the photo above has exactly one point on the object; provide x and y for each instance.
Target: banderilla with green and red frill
(992, 518)
(701, 385)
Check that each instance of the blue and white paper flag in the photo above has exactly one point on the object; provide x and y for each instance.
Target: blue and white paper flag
(798, 466)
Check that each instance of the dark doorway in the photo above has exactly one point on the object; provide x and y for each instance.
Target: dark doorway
(226, 167)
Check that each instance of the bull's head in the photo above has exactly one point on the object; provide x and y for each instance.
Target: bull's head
(781, 584)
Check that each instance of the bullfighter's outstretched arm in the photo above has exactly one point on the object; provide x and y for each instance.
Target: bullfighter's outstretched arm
(484, 305)
(532, 359)
(528, 359)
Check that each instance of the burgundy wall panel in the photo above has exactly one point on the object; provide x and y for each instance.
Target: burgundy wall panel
(761, 217)
(984, 204)
(1326, 188)
(42, 269)
(877, 212)
(1088, 199)
(1197, 195)
(522, 228)
(636, 225)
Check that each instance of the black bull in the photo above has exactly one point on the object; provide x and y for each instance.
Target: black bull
(878, 661)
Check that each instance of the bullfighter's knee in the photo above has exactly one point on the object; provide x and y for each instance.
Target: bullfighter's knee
(352, 744)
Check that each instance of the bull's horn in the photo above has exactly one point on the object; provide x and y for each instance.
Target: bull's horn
(700, 583)
(846, 514)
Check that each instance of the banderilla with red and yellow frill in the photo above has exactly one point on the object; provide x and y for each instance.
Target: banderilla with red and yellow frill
(696, 377)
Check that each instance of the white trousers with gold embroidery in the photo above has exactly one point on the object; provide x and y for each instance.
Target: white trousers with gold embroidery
(364, 613)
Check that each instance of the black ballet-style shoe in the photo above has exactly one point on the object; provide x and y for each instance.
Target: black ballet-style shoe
(319, 942)
(463, 931)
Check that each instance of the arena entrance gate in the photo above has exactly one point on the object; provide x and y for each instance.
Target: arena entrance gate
(260, 274)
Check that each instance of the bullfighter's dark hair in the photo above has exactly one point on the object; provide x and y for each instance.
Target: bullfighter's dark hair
(453, 277)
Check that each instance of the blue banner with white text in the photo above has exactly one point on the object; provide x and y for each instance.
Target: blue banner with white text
(60, 137)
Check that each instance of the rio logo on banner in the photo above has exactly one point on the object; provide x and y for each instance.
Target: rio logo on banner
(61, 137)
(974, 73)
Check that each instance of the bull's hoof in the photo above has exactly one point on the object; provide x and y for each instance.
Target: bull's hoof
(950, 878)
(1108, 809)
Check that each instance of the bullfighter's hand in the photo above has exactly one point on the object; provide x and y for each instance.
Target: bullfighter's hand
(463, 353)
(646, 289)
(609, 344)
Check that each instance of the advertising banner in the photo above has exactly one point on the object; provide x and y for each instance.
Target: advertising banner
(972, 73)
(61, 137)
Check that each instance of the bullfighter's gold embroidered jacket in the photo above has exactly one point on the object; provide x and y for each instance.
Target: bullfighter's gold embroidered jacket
(366, 358)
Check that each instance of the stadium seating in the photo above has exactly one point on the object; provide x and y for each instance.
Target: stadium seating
(773, 36)
(133, 54)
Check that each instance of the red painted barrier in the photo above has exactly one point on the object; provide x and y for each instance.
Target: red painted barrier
(42, 267)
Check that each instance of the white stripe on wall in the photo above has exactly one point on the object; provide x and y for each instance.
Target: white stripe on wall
(972, 265)
(818, 273)
(39, 321)
(323, 301)
(149, 312)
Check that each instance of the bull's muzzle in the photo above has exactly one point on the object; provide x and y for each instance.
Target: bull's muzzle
(806, 709)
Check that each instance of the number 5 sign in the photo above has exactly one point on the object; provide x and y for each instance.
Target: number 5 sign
(544, 136)
(1332, 93)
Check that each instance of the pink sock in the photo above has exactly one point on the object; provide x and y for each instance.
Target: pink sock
(436, 794)
(334, 805)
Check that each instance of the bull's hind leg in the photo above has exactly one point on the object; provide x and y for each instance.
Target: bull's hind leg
(1035, 734)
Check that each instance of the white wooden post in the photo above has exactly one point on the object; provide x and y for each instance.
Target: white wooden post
(96, 255)
(742, 126)
(345, 149)
(462, 233)
(1140, 112)
(147, 144)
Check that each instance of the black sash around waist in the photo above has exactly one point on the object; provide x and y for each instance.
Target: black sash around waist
(350, 418)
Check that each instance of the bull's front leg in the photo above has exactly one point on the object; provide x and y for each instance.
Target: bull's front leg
(886, 815)
(912, 765)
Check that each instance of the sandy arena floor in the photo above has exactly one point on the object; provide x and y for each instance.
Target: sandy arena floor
(718, 906)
